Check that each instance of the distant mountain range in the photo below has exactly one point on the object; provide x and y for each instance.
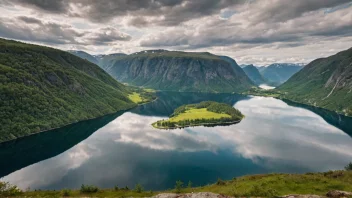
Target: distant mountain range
(85, 55)
(254, 74)
(43, 88)
(177, 71)
(274, 74)
(278, 73)
(325, 82)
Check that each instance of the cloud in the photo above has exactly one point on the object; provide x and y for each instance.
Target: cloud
(212, 31)
(246, 30)
(105, 36)
(168, 12)
(31, 29)
(29, 20)
(49, 32)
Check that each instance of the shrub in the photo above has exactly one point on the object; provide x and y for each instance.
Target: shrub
(349, 167)
(178, 186)
(89, 189)
(189, 184)
(116, 187)
(6, 189)
(138, 188)
(258, 191)
(220, 182)
(66, 192)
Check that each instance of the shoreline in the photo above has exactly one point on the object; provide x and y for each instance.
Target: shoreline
(200, 124)
(71, 123)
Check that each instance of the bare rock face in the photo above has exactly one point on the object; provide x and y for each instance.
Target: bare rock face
(191, 195)
(179, 71)
(338, 193)
(302, 196)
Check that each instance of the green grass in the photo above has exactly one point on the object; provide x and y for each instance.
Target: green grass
(266, 185)
(198, 114)
(203, 113)
(135, 97)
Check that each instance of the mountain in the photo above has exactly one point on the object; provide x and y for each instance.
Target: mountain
(278, 73)
(179, 71)
(325, 82)
(101, 59)
(84, 55)
(43, 88)
(253, 73)
(106, 59)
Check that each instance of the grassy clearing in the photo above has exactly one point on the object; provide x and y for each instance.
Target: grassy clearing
(192, 114)
(268, 185)
(150, 90)
(203, 113)
(135, 97)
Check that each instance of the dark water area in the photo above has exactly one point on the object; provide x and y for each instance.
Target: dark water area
(124, 149)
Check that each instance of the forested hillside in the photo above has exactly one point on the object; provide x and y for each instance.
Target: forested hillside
(42, 88)
(325, 82)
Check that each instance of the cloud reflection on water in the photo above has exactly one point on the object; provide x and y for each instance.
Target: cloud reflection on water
(273, 137)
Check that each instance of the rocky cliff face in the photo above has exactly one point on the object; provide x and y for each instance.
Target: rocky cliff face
(179, 71)
(325, 82)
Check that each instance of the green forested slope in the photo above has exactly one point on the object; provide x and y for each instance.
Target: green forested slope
(42, 88)
(325, 82)
(84, 55)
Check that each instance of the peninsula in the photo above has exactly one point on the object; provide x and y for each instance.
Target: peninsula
(207, 113)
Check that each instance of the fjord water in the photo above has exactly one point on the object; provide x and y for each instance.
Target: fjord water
(124, 149)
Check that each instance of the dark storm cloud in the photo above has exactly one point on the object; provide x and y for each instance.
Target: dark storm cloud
(106, 35)
(172, 12)
(57, 6)
(284, 10)
(30, 29)
(29, 20)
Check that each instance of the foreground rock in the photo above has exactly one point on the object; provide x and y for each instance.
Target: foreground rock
(191, 195)
(302, 196)
(338, 193)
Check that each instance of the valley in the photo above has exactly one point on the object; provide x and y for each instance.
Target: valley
(176, 98)
(129, 148)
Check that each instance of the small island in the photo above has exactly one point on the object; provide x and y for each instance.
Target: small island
(207, 113)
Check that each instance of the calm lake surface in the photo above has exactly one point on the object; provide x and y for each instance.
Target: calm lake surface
(124, 149)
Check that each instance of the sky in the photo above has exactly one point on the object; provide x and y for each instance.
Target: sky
(257, 32)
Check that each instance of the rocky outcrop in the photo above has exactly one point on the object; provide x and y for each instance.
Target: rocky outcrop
(302, 196)
(191, 195)
(338, 193)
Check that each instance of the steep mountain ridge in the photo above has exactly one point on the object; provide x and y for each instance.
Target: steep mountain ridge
(179, 71)
(43, 88)
(325, 82)
(253, 73)
(84, 55)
